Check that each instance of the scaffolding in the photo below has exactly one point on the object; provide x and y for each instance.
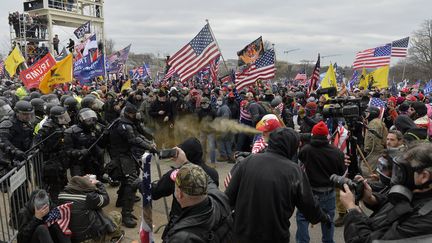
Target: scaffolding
(34, 27)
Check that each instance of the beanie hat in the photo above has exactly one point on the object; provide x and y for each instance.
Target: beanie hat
(320, 129)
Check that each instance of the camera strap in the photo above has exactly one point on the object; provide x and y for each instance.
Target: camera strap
(375, 133)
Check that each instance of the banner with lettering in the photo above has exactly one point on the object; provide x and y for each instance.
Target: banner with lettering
(82, 30)
(32, 76)
(85, 69)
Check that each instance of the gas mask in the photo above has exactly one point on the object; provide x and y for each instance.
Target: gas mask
(403, 180)
(384, 169)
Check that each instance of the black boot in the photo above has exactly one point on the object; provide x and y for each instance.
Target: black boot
(128, 221)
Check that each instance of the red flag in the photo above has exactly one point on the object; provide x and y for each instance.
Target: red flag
(32, 76)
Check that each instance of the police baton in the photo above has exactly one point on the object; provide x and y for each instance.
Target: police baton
(103, 134)
(43, 140)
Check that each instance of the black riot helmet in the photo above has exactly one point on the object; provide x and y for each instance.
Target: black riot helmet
(70, 103)
(87, 101)
(63, 98)
(24, 111)
(39, 106)
(34, 95)
(48, 107)
(87, 118)
(5, 109)
(59, 115)
(52, 98)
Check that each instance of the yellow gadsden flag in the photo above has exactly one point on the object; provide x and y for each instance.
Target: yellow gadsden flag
(59, 74)
(12, 62)
(379, 77)
(363, 80)
(329, 79)
(126, 85)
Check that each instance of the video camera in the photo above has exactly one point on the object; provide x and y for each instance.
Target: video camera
(342, 107)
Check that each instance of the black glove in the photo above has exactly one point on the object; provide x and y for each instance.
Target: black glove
(153, 150)
(327, 221)
(20, 155)
(83, 153)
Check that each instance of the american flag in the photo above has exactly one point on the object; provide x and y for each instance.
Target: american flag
(169, 74)
(315, 76)
(341, 138)
(1, 68)
(214, 69)
(301, 76)
(61, 216)
(377, 102)
(373, 57)
(146, 229)
(198, 53)
(264, 68)
(259, 145)
(400, 47)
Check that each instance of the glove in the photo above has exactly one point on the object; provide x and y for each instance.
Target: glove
(83, 152)
(327, 221)
(153, 150)
(20, 155)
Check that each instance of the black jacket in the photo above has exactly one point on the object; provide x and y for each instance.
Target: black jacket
(194, 223)
(321, 160)
(275, 185)
(165, 186)
(87, 220)
(385, 224)
(161, 106)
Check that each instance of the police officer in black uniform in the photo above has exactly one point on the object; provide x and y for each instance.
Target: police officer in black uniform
(54, 167)
(78, 139)
(16, 135)
(127, 146)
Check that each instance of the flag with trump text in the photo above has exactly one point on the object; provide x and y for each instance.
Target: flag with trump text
(33, 75)
(60, 73)
(264, 69)
(195, 55)
(146, 228)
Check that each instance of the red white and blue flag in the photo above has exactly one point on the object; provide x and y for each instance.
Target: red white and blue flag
(214, 69)
(264, 69)
(373, 57)
(61, 216)
(313, 84)
(400, 47)
(195, 55)
(380, 104)
(146, 228)
(301, 76)
(1, 68)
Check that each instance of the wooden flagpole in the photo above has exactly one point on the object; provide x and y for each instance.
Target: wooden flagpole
(211, 32)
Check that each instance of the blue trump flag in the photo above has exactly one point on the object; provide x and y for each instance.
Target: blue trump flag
(85, 69)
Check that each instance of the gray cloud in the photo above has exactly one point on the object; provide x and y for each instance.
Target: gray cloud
(328, 27)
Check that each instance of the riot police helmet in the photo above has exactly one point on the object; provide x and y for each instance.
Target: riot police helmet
(52, 98)
(48, 107)
(70, 103)
(87, 101)
(38, 105)
(24, 111)
(63, 98)
(59, 115)
(34, 95)
(5, 109)
(87, 117)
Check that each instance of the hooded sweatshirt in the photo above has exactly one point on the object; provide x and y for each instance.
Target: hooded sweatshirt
(275, 185)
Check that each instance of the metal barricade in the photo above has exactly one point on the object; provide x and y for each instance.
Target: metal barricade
(15, 188)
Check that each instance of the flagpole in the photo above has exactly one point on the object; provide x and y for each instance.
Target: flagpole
(403, 72)
(217, 44)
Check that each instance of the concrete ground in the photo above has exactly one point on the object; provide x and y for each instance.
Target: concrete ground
(160, 219)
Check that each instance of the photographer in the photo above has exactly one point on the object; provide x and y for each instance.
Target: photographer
(407, 209)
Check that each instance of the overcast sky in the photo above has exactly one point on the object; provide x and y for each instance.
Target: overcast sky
(329, 27)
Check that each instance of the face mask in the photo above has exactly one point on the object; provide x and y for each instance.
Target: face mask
(219, 102)
(204, 106)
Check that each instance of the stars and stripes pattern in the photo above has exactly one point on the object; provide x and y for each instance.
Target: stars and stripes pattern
(380, 104)
(301, 76)
(259, 145)
(264, 68)
(214, 69)
(1, 68)
(341, 138)
(400, 47)
(198, 53)
(373, 57)
(315, 76)
(60, 215)
(146, 228)
(169, 74)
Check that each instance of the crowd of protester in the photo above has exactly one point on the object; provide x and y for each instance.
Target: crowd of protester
(103, 128)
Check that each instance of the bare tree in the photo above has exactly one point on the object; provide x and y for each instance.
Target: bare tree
(420, 54)
(109, 46)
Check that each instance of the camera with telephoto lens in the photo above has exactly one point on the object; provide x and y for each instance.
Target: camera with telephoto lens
(357, 187)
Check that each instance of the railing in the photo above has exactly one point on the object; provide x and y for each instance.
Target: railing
(15, 188)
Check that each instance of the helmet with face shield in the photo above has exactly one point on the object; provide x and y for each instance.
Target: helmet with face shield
(59, 115)
(87, 117)
(24, 111)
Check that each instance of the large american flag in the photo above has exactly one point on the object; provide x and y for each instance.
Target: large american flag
(373, 57)
(214, 69)
(315, 76)
(146, 229)
(400, 47)
(377, 102)
(169, 74)
(198, 53)
(264, 68)
(61, 216)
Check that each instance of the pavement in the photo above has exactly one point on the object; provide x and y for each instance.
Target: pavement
(160, 218)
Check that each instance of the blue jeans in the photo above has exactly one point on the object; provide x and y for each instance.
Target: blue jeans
(327, 201)
(225, 145)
